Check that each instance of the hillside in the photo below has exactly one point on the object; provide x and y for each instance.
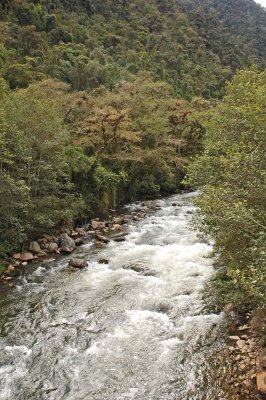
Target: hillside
(194, 46)
(245, 20)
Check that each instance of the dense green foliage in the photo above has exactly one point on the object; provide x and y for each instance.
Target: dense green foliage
(232, 175)
(194, 47)
(66, 155)
(34, 172)
(244, 19)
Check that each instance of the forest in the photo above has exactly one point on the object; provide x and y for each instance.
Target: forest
(104, 103)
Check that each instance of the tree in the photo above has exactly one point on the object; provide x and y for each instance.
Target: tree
(21, 75)
(231, 173)
(34, 166)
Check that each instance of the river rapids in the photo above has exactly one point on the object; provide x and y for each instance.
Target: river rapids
(132, 329)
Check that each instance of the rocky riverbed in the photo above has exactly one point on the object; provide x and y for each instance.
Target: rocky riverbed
(97, 231)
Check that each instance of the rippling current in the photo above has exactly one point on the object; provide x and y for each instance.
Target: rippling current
(133, 329)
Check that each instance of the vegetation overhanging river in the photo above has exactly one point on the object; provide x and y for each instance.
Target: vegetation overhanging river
(133, 329)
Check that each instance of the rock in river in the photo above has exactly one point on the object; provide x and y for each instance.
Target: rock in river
(102, 238)
(103, 261)
(78, 263)
(119, 238)
(79, 241)
(66, 243)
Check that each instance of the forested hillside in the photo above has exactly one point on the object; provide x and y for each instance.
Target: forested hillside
(194, 46)
(103, 102)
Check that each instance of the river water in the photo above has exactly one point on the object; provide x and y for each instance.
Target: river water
(133, 329)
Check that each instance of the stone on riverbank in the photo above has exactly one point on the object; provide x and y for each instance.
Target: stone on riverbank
(119, 220)
(261, 382)
(34, 247)
(95, 224)
(11, 272)
(52, 247)
(66, 243)
(81, 231)
(234, 338)
(23, 256)
(258, 320)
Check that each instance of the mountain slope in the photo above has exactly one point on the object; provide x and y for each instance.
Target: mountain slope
(194, 46)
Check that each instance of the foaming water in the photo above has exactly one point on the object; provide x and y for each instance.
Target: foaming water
(133, 329)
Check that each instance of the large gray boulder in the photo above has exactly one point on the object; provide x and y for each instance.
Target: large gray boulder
(66, 243)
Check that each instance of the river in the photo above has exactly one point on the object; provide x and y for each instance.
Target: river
(132, 329)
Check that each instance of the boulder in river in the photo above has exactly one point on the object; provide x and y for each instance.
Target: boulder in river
(141, 269)
(34, 247)
(66, 243)
(102, 238)
(149, 204)
(78, 263)
(103, 261)
(79, 241)
(119, 239)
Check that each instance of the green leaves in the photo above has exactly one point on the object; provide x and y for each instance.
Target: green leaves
(103, 44)
(35, 178)
(232, 175)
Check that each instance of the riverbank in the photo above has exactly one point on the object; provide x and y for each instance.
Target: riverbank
(98, 231)
(242, 361)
